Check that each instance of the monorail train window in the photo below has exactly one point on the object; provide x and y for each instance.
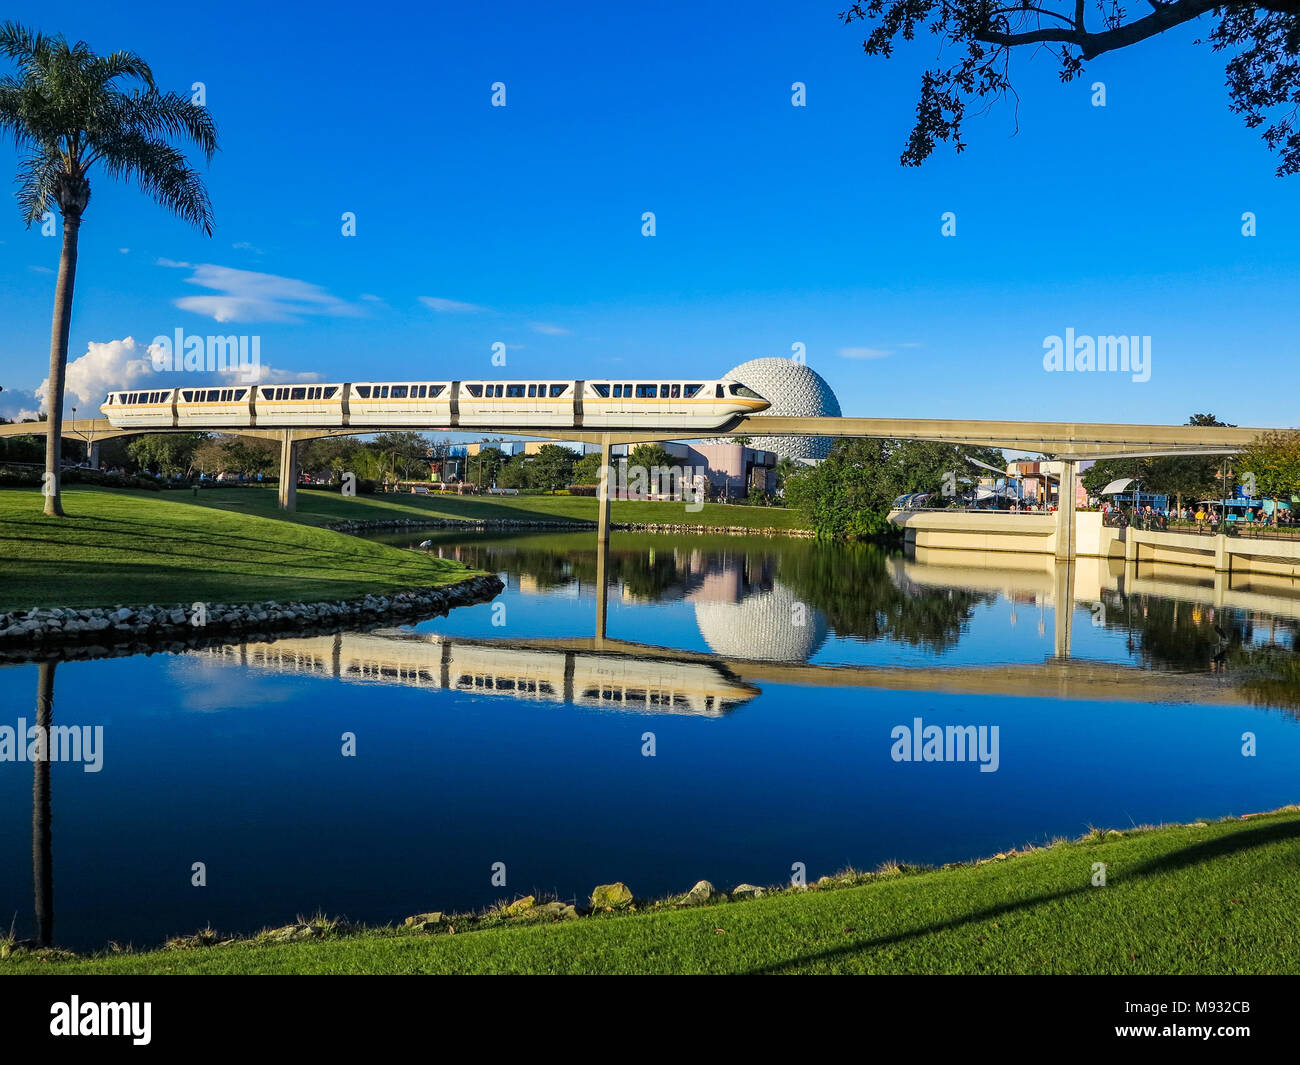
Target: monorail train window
(240, 394)
(227, 395)
(381, 392)
(646, 392)
(399, 392)
(188, 397)
(677, 392)
(717, 392)
(663, 391)
(363, 391)
(601, 390)
(532, 391)
(435, 390)
(741, 390)
(557, 390)
(474, 390)
(691, 391)
(513, 391)
(298, 393)
(329, 392)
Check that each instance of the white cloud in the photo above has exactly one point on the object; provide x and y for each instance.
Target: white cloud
(40, 269)
(865, 353)
(26, 415)
(117, 364)
(249, 296)
(445, 306)
(264, 373)
(104, 367)
(549, 329)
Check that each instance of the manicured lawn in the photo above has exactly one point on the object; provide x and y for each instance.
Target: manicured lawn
(321, 508)
(1218, 898)
(137, 547)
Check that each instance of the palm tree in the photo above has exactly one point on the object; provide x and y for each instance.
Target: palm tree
(66, 113)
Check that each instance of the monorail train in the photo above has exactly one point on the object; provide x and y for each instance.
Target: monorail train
(441, 405)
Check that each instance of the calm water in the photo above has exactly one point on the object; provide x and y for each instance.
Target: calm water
(771, 675)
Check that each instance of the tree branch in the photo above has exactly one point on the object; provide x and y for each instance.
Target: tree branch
(1094, 44)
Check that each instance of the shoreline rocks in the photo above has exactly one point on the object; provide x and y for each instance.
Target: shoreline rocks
(110, 627)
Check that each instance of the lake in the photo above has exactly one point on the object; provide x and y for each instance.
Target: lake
(733, 709)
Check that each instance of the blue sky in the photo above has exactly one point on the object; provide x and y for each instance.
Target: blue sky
(775, 225)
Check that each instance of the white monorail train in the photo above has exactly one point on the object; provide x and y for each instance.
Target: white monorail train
(441, 405)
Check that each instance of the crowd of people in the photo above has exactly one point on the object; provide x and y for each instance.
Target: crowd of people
(1206, 517)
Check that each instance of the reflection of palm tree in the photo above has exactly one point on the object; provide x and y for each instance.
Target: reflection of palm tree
(42, 850)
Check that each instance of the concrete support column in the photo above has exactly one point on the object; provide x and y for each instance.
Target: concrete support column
(1065, 513)
(288, 472)
(1222, 556)
(1130, 547)
(92, 455)
(608, 485)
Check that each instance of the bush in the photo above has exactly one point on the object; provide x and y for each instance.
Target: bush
(583, 489)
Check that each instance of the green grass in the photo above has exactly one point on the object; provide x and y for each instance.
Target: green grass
(1216, 898)
(135, 547)
(321, 508)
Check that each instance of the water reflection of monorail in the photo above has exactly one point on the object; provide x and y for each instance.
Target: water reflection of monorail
(608, 682)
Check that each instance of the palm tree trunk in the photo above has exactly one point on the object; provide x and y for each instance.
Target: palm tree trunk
(59, 330)
(42, 851)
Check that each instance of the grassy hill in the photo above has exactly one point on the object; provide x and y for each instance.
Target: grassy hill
(134, 548)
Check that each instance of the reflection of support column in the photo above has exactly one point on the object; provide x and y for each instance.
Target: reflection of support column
(1222, 582)
(607, 486)
(288, 472)
(602, 589)
(42, 847)
(1064, 591)
(1065, 512)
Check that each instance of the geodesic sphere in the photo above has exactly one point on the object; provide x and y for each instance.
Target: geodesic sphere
(794, 390)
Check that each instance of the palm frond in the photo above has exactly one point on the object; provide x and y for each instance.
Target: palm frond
(159, 114)
(162, 173)
(121, 64)
(37, 176)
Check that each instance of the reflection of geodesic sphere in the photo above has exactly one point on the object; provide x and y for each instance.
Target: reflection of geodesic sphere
(794, 391)
(762, 627)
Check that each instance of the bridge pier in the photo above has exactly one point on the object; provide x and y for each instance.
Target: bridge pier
(1065, 512)
(288, 472)
(92, 455)
(602, 493)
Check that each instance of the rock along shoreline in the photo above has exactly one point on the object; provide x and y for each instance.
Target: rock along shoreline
(98, 631)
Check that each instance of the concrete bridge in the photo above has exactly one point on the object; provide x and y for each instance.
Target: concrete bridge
(1069, 442)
